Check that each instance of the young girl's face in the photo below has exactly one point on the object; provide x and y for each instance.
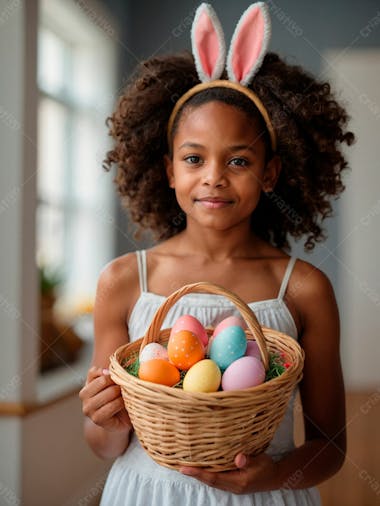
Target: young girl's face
(218, 168)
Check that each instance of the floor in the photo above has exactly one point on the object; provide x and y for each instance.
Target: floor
(358, 482)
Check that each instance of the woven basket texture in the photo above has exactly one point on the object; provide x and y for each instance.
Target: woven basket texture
(207, 429)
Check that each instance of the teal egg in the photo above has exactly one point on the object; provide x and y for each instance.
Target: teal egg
(228, 345)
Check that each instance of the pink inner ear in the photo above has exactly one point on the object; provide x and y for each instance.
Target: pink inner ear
(248, 44)
(207, 43)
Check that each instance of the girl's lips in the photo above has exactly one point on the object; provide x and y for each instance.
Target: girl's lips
(214, 203)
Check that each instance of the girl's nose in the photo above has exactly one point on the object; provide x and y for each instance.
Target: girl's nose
(214, 175)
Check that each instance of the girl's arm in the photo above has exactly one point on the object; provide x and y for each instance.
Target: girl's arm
(107, 426)
(323, 401)
(322, 388)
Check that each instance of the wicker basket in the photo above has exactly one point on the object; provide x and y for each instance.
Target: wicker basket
(206, 429)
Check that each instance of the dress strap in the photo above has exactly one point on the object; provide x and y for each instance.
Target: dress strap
(286, 277)
(141, 264)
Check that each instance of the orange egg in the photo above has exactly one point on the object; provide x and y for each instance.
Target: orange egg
(185, 349)
(159, 371)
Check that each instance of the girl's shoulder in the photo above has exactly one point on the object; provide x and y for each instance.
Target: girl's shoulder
(308, 280)
(311, 294)
(119, 281)
(120, 269)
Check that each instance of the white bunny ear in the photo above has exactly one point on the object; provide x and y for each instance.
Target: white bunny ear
(208, 44)
(249, 44)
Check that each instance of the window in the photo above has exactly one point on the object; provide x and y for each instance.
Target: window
(76, 82)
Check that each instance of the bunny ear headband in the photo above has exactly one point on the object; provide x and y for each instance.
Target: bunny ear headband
(246, 53)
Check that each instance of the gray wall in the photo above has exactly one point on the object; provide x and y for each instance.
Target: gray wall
(164, 26)
(301, 31)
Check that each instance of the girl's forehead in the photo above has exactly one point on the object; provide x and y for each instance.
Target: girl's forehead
(217, 119)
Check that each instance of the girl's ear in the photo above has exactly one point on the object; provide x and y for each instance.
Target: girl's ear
(271, 174)
(169, 170)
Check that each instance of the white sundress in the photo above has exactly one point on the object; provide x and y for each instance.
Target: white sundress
(135, 479)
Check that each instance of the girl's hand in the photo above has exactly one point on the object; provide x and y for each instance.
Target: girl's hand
(102, 402)
(253, 474)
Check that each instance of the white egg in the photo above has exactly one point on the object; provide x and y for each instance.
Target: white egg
(153, 350)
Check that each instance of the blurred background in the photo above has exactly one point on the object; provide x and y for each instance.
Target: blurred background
(63, 64)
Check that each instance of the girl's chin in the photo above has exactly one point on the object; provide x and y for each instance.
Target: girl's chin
(216, 222)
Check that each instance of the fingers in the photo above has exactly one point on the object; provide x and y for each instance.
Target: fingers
(105, 396)
(240, 460)
(98, 392)
(102, 401)
(95, 386)
(230, 481)
(235, 481)
(106, 412)
(95, 372)
(96, 381)
(92, 401)
(202, 475)
(258, 473)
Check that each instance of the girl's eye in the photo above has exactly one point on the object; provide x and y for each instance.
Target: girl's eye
(193, 159)
(239, 162)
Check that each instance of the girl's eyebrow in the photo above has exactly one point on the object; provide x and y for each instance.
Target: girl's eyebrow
(238, 147)
(241, 147)
(191, 145)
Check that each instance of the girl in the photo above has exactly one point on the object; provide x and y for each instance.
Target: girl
(223, 173)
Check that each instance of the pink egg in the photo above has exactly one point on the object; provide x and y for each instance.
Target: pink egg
(227, 322)
(253, 350)
(152, 351)
(245, 372)
(192, 324)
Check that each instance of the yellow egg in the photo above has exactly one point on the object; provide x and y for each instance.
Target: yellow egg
(204, 376)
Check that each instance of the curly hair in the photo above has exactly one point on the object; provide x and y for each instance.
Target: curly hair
(309, 125)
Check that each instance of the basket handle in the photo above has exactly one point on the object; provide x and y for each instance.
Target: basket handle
(205, 287)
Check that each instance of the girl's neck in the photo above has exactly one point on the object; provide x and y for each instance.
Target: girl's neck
(219, 246)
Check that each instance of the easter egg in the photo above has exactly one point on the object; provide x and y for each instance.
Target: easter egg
(204, 376)
(235, 321)
(159, 371)
(253, 350)
(153, 350)
(185, 349)
(208, 349)
(228, 345)
(188, 322)
(246, 372)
